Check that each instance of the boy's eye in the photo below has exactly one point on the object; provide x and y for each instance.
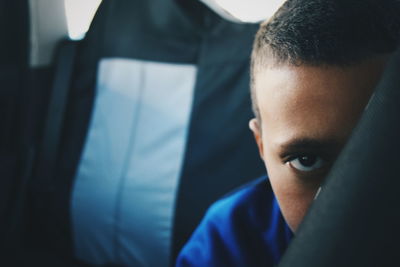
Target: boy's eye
(306, 163)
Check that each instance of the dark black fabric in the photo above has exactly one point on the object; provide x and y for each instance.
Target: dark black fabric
(48, 151)
(23, 102)
(50, 209)
(42, 186)
(49, 201)
(160, 30)
(23, 98)
(220, 154)
(13, 99)
(355, 221)
(13, 65)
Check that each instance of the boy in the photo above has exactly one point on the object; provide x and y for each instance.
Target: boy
(315, 64)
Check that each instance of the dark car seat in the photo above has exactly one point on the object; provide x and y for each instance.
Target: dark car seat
(26, 52)
(13, 76)
(155, 130)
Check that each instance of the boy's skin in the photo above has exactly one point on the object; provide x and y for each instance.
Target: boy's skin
(306, 114)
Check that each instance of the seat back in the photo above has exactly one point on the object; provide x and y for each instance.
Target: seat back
(155, 131)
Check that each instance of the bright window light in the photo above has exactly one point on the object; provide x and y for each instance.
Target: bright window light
(250, 10)
(80, 14)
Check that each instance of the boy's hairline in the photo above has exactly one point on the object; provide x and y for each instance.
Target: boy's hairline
(274, 63)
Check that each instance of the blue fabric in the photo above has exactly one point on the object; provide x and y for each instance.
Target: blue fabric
(246, 228)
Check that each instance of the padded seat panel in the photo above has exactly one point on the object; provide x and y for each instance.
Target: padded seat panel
(130, 167)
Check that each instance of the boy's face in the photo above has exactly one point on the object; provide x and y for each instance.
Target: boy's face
(307, 113)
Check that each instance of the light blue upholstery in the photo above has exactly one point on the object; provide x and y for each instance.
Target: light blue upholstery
(130, 167)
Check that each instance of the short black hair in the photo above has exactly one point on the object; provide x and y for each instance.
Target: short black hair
(326, 32)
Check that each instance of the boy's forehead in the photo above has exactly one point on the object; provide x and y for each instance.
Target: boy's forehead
(311, 101)
(297, 87)
(294, 88)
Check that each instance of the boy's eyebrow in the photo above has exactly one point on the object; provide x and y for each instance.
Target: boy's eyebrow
(300, 144)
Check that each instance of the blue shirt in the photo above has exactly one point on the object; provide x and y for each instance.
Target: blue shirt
(245, 228)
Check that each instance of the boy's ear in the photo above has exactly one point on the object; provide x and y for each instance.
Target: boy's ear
(254, 126)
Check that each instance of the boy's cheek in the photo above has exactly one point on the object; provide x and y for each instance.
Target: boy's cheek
(294, 197)
(294, 206)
